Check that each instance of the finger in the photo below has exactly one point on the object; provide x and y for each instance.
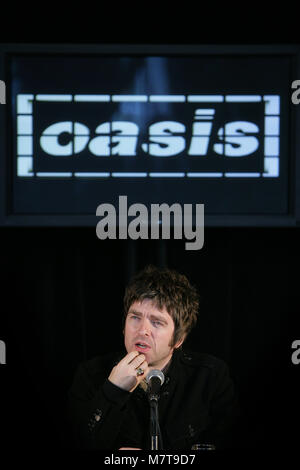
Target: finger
(145, 370)
(129, 357)
(137, 361)
(143, 365)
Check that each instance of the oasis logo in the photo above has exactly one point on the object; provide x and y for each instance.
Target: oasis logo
(191, 136)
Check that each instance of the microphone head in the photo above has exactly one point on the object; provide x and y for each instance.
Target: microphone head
(155, 373)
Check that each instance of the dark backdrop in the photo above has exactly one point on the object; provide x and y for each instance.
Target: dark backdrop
(62, 291)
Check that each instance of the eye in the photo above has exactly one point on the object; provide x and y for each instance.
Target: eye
(135, 317)
(157, 323)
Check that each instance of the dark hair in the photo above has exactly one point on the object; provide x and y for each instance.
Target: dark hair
(166, 288)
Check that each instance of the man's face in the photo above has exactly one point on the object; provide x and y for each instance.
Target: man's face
(150, 331)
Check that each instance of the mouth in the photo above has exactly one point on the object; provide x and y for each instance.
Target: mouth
(142, 347)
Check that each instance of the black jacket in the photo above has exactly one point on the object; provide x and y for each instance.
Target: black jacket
(197, 405)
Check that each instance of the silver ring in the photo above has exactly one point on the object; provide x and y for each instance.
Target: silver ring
(139, 371)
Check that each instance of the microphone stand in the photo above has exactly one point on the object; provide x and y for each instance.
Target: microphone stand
(154, 423)
(155, 379)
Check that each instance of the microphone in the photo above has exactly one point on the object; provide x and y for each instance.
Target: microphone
(155, 378)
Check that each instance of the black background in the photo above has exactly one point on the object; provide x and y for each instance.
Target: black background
(59, 287)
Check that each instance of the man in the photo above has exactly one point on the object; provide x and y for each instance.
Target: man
(108, 400)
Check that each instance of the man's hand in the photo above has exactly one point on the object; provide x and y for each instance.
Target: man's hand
(129, 448)
(124, 374)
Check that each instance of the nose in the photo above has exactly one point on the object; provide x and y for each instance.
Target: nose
(144, 327)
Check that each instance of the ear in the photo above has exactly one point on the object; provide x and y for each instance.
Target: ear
(179, 343)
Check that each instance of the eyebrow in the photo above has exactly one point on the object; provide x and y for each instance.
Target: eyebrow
(153, 315)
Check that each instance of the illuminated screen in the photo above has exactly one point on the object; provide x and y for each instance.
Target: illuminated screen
(211, 129)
